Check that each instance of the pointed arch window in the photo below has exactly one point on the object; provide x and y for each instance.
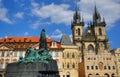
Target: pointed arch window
(68, 65)
(73, 65)
(67, 55)
(79, 31)
(90, 48)
(73, 55)
(100, 31)
(68, 74)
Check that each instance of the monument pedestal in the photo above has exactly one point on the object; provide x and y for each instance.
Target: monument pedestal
(35, 69)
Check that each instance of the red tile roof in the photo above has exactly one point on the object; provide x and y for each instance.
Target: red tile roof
(15, 41)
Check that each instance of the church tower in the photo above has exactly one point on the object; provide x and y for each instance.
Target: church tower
(77, 26)
(99, 32)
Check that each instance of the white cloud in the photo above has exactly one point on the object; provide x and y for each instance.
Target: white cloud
(57, 13)
(57, 34)
(38, 23)
(26, 34)
(62, 14)
(3, 14)
(19, 15)
(107, 8)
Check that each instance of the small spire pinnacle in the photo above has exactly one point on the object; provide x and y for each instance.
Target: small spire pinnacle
(103, 19)
(76, 6)
(82, 19)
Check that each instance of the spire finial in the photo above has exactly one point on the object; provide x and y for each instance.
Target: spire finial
(76, 6)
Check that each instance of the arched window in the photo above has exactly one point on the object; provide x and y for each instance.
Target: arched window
(97, 74)
(73, 65)
(73, 55)
(67, 55)
(90, 48)
(68, 65)
(68, 74)
(87, 67)
(113, 75)
(106, 74)
(105, 67)
(113, 67)
(89, 75)
(78, 31)
(109, 67)
(96, 67)
(100, 31)
(92, 67)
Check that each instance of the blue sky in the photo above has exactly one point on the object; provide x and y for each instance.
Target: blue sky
(28, 17)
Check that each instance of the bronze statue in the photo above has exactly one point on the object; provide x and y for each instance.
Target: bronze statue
(41, 55)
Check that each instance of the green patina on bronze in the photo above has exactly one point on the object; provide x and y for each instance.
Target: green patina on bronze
(40, 55)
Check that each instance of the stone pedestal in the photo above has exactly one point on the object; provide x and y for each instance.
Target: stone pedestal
(35, 69)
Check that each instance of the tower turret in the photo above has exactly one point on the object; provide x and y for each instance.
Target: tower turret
(77, 26)
(96, 16)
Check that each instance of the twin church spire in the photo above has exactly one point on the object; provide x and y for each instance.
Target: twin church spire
(77, 17)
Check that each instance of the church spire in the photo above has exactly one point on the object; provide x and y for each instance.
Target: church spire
(76, 18)
(96, 16)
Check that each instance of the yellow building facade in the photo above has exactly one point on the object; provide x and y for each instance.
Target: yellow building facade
(116, 52)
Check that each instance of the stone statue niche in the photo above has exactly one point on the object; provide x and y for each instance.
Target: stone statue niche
(36, 63)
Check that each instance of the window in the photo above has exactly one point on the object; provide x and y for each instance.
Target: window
(87, 67)
(7, 53)
(54, 43)
(109, 67)
(15, 54)
(3, 54)
(21, 54)
(56, 54)
(50, 53)
(94, 58)
(68, 74)
(68, 65)
(113, 67)
(73, 65)
(100, 31)
(90, 48)
(105, 67)
(78, 31)
(92, 67)
(67, 55)
(96, 67)
(73, 56)
(1, 65)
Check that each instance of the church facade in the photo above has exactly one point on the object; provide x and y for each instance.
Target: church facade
(96, 59)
